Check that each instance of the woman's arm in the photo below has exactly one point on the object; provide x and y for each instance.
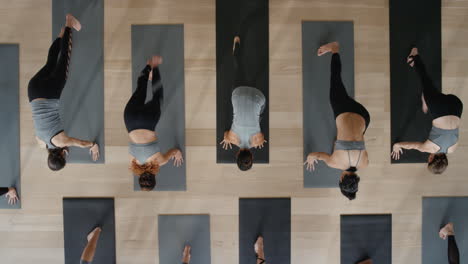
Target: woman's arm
(228, 140)
(10, 194)
(175, 154)
(314, 157)
(93, 147)
(399, 146)
(258, 140)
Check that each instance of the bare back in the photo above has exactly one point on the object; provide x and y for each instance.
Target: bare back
(142, 136)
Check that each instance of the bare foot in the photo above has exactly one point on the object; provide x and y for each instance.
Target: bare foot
(155, 61)
(236, 40)
(72, 22)
(425, 109)
(258, 247)
(62, 31)
(446, 231)
(333, 47)
(186, 254)
(367, 261)
(409, 60)
(96, 231)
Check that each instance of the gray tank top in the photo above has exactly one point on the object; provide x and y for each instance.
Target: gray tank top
(46, 119)
(444, 138)
(142, 152)
(248, 104)
(351, 145)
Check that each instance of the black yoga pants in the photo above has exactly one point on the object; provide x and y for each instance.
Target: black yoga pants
(141, 115)
(439, 104)
(340, 101)
(49, 82)
(453, 254)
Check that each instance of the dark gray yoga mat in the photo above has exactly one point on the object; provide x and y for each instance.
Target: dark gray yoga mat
(81, 216)
(176, 231)
(250, 20)
(82, 98)
(319, 128)
(416, 22)
(271, 218)
(167, 41)
(366, 236)
(437, 212)
(9, 117)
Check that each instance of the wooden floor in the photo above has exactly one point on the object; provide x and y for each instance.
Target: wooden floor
(34, 234)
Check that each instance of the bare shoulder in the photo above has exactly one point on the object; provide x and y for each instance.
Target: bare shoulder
(429, 146)
(452, 148)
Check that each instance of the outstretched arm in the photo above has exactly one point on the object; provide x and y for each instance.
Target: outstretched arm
(93, 147)
(399, 146)
(314, 157)
(175, 154)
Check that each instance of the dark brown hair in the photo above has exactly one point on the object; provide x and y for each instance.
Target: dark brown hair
(438, 164)
(56, 158)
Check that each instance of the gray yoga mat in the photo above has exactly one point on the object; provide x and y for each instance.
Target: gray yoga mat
(366, 236)
(80, 217)
(167, 41)
(82, 98)
(9, 117)
(271, 218)
(437, 212)
(176, 231)
(319, 128)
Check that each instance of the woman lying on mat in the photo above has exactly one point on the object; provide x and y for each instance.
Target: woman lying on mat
(186, 255)
(141, 119)
(352, 120)
(446, 111)
(453, 253)
(10, 194)
(89, 251)
(248, 104)
(44, 92)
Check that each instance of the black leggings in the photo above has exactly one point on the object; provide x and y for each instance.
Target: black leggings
(453, 254)
(239, 74)
(439, 104)
(50, 80)
(141, 115)
(340, 101)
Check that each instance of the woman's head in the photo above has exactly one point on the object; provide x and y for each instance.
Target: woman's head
(57, 158)
(146, 174)
(244, 159)
(349, 184)
(437, 163)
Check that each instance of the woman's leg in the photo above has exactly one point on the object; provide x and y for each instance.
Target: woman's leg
(90, 249)
(453, 254)
(60, 73)
(239, 75)
(137, 102)
(338, 95)
(52, 56)
(448, 232)
(433, 99)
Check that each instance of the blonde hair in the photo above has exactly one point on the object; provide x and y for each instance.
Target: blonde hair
(139, 169)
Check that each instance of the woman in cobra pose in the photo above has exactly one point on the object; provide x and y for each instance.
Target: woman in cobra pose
(44, 92)
(141, 119)
(352, 120)
(248, 104)
(446, 111)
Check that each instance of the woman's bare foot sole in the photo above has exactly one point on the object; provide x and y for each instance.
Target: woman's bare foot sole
(409, 60)
(446, 231)
(96, 230)
(186, 254)
(258, 247)
(71, 21)
(333, 47)
(236, 40)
